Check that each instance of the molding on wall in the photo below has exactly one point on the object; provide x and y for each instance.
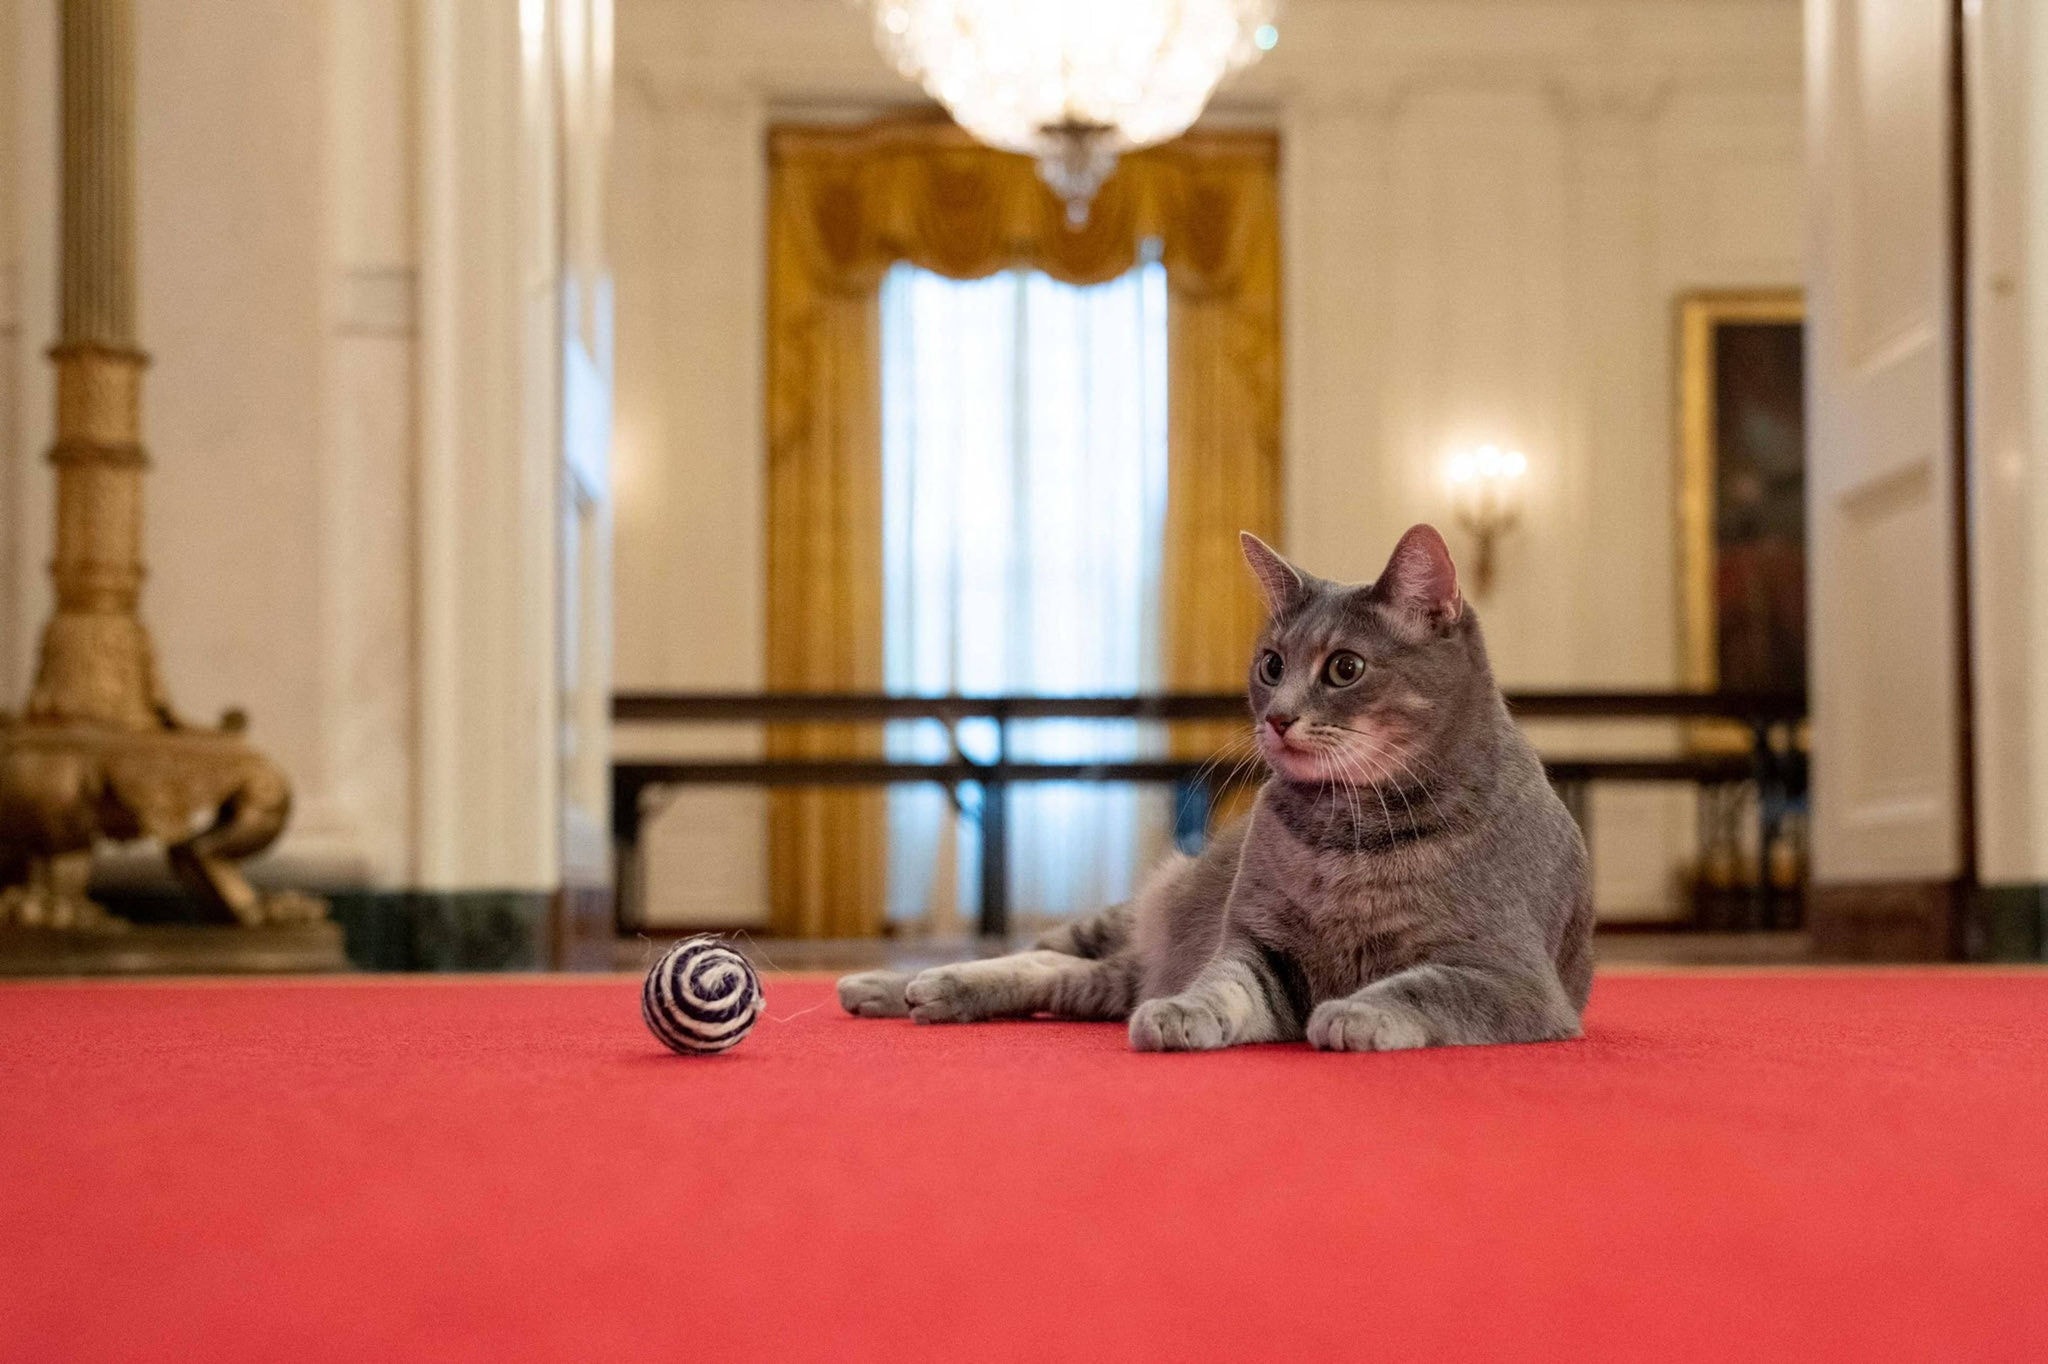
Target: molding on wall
(1597, 96)
(376, 300)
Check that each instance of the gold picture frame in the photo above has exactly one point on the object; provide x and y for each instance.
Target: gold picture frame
(1700, 315)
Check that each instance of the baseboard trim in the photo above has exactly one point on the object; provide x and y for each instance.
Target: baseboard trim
(571, 929)
(446, 930)
(185, 949)
(2007, 923)
(428, 930)
(1886, 920)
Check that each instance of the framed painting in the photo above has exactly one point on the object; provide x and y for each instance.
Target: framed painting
(1742, 489)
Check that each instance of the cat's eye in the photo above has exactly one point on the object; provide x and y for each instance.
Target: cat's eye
(1271, 668)
(1343, 668)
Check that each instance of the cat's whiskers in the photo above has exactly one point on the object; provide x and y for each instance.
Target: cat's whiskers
(1386, 749)
(1345, 787)
(1403, 757)
(1383, 778)
(1239, 742)
(1357, 806)
(1357, 773)
(1249, 762)
(1404, 753)
(1441, 818)
(1386, 812)
(1414, 827)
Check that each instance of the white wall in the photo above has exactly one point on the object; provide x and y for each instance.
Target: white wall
(13, 558)
(350, 510)
(1488, 210)
(2007, 47)
(28, 312)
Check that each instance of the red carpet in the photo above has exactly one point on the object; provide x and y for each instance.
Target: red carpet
(1805, 1166)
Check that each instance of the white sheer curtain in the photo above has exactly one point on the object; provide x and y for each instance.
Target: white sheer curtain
(1024, 457)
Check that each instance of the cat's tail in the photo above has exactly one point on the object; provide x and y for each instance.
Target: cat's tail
(1096, 937)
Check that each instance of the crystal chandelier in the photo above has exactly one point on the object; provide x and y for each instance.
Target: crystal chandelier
(1073, 83)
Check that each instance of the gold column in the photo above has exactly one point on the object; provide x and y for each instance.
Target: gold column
(99, 753)
(96, 664)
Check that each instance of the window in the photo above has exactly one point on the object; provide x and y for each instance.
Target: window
(1024, 497)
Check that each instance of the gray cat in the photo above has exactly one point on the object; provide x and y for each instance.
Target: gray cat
(1406, 877)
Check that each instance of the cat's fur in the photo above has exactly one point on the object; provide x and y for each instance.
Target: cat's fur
(1406, 877)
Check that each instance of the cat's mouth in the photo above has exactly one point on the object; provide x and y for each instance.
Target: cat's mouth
(1292, 758)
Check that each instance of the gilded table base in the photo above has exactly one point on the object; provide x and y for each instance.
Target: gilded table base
(208, 797)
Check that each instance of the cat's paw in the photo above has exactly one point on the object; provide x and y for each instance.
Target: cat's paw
(942, 995)
(875, 994)
(1177, 1025)
(1354, 1025)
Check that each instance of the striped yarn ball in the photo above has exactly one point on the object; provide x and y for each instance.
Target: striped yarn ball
(701, 997)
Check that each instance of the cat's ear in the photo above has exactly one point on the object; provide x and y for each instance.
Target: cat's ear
(1420, 579)
(1280, 582)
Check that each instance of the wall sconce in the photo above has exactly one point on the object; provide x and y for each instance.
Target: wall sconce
(1486, 498)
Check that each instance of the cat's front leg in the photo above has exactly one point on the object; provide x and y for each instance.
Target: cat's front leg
(1022, 984)
(1235, 1000)
(1440, 1005)
(875, 994)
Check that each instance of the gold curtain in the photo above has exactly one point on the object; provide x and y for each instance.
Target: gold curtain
(845, 204)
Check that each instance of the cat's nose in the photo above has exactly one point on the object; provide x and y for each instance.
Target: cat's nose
(1280, 723)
